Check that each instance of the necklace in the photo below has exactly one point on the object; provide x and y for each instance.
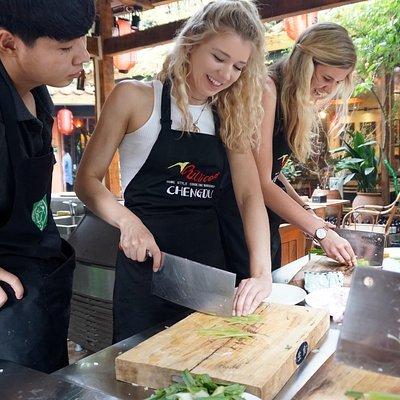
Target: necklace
(195, 128)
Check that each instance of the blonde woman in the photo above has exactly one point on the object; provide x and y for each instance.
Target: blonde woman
(175, 136)
(318, 69)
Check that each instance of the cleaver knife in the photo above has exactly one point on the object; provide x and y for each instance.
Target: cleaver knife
(197, 286)
(367, 246)
(370, 334)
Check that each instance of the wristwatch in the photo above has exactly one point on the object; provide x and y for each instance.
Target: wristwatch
(320, 233)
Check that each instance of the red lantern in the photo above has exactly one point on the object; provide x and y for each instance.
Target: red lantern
(125, 61)
(78, 123)
(296, 25)
(65, 121)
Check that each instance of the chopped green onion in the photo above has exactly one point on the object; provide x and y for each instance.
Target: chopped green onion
(224, 333)
(244, 320)
(372, 395)
(198, 387)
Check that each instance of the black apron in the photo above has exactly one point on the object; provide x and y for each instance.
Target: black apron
(174, 195)
(232, 233)
(233, 239)
(33, 330)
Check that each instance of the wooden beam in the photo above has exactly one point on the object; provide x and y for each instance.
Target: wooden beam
(274, 9)
(104, 84)
(278, 9)
(93, 46)
(157, 35)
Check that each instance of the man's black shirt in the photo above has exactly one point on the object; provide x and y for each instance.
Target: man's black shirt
(36, 138)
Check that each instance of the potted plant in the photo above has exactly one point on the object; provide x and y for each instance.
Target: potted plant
(360, 162)
(290, 170)
(374, 27)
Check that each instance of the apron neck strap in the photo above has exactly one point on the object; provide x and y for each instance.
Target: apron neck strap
(166, 120)
(217, 123)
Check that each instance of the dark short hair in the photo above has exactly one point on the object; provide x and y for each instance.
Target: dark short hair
(62, 20)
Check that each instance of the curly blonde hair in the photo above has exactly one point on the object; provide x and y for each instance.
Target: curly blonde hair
(324, 43)
(239, 106)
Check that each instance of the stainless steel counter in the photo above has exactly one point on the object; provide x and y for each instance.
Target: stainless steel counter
(17, 382)
(93, 377)
(98, 370)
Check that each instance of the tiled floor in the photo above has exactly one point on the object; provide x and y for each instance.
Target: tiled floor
(74, 355)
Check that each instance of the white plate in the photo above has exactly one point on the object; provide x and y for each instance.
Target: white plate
(248, 396)
(332, 299)
(283, 293)
(391, 264)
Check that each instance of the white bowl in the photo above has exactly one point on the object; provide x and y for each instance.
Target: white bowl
(332, 299)
(283, 293)
(248, 396)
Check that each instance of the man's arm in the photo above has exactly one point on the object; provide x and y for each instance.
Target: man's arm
(6, 200)
(6, 179)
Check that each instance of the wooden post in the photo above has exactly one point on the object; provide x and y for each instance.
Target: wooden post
(104, 83)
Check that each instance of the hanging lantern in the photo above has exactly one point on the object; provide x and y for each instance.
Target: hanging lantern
(297, 24)
(78, 123)
(65, 122)
(125, 61)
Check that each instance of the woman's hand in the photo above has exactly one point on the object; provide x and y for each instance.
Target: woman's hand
(15, 284)
(338, 248)
(250, 293)
(138, 243)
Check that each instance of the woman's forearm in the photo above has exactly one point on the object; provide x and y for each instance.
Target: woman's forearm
(101, 201)
(256, 230)
(288, 209)
(290, 190)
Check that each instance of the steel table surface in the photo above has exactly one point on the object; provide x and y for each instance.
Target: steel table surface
(97, 371)
(93, 377)
(21, 383)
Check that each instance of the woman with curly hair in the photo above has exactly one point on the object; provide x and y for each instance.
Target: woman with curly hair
(318, 69)
(177, 136)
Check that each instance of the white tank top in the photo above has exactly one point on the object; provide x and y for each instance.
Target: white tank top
(136, 146)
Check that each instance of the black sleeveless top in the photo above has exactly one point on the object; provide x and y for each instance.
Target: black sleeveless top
(280, 146)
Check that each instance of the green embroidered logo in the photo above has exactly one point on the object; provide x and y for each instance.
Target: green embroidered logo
(40, 213)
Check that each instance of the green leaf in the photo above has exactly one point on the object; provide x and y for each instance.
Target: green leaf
(348, 178)
(350, 150)
(205, 381)
(393, 175)
(188, 379)
(354, 160)
(355, 395)
(338, 149)
(369, 143)
(369, 170)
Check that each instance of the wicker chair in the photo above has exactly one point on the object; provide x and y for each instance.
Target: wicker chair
(375, 212)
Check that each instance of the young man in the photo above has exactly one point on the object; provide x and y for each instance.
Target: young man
(41, 43)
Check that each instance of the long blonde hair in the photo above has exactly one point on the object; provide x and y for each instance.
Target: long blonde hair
(239, 106)
(324, 43)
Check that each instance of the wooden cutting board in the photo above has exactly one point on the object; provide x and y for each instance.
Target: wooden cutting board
(263, 363)
(334, 379)
(319, 264)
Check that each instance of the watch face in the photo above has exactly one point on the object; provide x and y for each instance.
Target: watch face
(320, 233)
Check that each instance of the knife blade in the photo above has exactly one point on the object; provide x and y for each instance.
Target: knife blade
(368, 246)
(370, 334)
(194, 285)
